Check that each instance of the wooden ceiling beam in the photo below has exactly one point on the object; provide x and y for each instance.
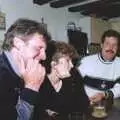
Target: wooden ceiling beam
(41, 2)
(62, 3)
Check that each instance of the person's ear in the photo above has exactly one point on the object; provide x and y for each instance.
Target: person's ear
(53, 64)
(18, 43)
(101, 45)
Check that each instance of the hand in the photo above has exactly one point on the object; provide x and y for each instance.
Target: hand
(33, 73)
(96, 98)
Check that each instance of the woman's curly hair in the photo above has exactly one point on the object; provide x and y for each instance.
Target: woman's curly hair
(56, 50)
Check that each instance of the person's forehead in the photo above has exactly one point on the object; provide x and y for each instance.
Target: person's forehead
(37, 39)
(37, 36)
(65, 57)
(111, 38)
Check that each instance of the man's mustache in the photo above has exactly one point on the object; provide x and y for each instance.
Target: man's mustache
(111, 51)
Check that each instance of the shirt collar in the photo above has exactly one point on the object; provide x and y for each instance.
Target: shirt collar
(12, 62)
(101, 58)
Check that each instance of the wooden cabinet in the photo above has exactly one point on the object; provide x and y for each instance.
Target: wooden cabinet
(116, 25)
(98, 26)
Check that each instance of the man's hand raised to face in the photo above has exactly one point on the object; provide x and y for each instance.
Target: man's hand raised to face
(32, 72)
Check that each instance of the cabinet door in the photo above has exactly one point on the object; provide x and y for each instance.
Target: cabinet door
(98, 26)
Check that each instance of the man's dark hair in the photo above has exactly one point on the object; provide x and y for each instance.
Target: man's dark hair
(111, 33)
(24, 28)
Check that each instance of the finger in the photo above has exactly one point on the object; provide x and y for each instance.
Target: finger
(20, 63)
(41, 70)
(92, 103)
(92, 98)
(29, 64)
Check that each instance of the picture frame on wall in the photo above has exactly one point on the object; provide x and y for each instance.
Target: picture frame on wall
(2, 21)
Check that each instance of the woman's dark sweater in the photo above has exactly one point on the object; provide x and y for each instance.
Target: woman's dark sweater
(70, 98)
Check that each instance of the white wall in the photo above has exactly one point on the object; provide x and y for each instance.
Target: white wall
(56, 19)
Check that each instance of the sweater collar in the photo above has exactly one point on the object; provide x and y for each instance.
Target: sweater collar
(101, 58)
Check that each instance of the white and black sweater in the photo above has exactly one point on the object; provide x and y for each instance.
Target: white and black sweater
(100, 75)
